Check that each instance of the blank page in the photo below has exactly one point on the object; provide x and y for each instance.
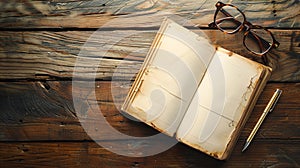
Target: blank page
(219, 102)
(176, 66)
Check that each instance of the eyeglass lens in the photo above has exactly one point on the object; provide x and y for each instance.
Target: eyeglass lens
(258, 41)
(230, 20)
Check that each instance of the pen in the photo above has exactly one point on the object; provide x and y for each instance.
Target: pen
(270, 106)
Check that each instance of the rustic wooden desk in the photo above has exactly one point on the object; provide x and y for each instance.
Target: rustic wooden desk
(41, 40)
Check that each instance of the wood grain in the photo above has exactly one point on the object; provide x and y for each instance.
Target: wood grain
(35, 111)
(137, 13)
(115, 54)
(42, 40)
(90, 154)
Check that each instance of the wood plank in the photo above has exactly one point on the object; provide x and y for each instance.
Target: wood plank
(137, 13)
(109, 54)
(89, 154)
(43, 111)
(41, 40)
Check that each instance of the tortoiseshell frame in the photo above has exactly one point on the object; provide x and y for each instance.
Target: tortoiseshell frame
(245, 25)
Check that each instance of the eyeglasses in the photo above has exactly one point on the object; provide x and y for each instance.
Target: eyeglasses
(229, 19)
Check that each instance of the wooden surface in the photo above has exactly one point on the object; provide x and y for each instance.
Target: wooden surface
(41, 42)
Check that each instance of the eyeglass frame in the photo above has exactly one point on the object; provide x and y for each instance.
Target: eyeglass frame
(246, 24)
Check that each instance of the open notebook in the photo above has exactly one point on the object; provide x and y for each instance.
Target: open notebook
(194, 91)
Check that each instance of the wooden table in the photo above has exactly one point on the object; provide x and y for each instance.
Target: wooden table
(41, 42)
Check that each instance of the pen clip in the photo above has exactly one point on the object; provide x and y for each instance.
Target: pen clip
(275, 98)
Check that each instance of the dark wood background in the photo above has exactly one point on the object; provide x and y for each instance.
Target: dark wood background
(41, 40)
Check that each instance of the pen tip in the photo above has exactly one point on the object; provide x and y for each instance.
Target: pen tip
(245, 146)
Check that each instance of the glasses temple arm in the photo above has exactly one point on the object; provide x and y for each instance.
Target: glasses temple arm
(256, 36)
(214, 25)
